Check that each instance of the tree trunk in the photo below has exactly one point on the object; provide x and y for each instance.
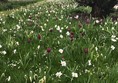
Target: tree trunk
(96, 11)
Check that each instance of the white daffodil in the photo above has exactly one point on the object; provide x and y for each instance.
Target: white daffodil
(60, 31)
(45, 24)
(112, 47)
(89, 62)
(0, 46)
(31, 32)
(58, 42)
(115, 7)
(58, 74)
(61, 36)
(17, 43)
(14, 51)
(4, 52)
(96, 48)
(76, 17)
(9, 78)
(97, 21)
(116, 23)
(4, 30)
(18, 27)
(61, 51)
(75, 75)
(113, 38)
(112, 28)
(58, 28)
(116, 38)
(63, 63)
(38, 47)
(68, 33)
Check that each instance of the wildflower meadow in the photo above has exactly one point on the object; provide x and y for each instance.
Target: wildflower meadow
(47, 43)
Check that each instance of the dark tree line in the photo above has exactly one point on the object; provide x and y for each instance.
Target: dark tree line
(3, 0)
(99, 7)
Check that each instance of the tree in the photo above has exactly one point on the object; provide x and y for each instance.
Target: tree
(3, 0)
(99, 7)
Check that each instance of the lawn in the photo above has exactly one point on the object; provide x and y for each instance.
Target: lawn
(49, 43)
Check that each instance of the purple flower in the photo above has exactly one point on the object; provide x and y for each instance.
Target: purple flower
(48, 50)
(29, 40)
(87, 21)
(39, 36)
(86, 50)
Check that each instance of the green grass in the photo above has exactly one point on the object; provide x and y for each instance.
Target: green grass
(33, 37)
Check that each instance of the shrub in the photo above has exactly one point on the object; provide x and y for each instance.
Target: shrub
(99, 7)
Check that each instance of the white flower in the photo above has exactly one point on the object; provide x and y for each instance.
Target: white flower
(116, 23)
(76, 17)
(89, 62)
(17, 43)
(68, 33)
(42, 29)
(58, 42)
(38, 47)
(97, 21)
(63, 63)
(58, 28)
(18, 27)
(112, 28)
(74, 74)
(48, 14)
(61, 51)
(117, 38)
(105, 23)
(113, 36)
(114, 40)
(9, 78)
(86, 70)
(62, 28)
(31, 32)
(58, 74)
(0, 46)
(96, 48)
(115, 7)
(4, 52)
(60, 31)
(61, 36)
(112, 47)
(55, 26)
(14, 51)
(4, 30)
(70, 23)
(45, 24)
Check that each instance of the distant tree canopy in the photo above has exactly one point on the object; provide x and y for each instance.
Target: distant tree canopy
(99, 7)
(3, 0)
